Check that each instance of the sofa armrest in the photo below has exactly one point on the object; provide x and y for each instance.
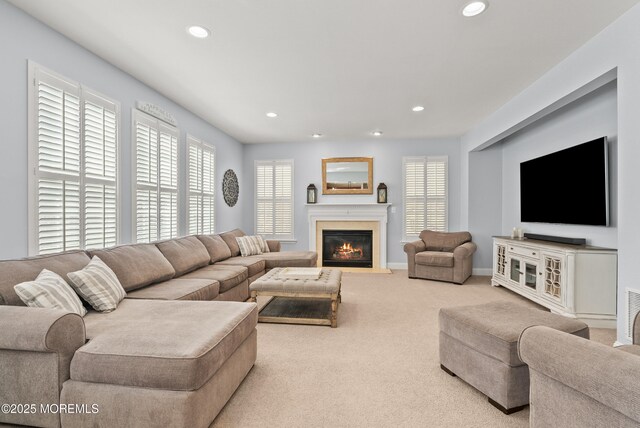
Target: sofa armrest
(36, 348)
(274, 246)
(605, 374)
(636, 329)
(411, 248)
(465, 250)
(40, 330)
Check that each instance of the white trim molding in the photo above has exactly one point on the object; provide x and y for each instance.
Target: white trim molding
(350, 212)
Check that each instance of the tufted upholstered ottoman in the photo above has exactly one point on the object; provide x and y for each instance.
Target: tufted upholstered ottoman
(290, 290)
(480, 345)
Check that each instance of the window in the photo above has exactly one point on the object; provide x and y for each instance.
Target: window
(156, 179)
(73, 154)
(201, 187)
(425, 195)
(274, 199)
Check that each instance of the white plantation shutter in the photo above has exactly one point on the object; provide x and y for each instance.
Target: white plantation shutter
(168, 182)
(156, 173)
(264, 199)
(73, 156)
(201, 204)
(436, 200)
(100, 168)
(274, 199)
(425, 195)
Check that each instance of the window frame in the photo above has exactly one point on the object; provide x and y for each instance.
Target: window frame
(425, 160)
(38, 73)
(274, 162)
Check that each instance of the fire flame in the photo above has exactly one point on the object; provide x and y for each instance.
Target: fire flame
(346, 251)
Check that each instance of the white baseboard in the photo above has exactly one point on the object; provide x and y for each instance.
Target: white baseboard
(399, 266)
(617, 343)
(479, 271)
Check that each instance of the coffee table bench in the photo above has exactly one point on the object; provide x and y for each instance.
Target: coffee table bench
(299, 300)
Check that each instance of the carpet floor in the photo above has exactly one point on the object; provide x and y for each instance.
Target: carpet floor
(379, 368)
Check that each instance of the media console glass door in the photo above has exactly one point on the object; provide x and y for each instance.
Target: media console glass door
(524, 273)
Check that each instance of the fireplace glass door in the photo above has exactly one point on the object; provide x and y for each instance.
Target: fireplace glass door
(347, 248)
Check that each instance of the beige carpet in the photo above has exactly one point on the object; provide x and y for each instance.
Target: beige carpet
(379, 368)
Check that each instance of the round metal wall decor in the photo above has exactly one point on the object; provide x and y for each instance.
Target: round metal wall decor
(230, 187)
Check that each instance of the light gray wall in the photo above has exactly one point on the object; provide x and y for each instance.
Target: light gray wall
(615, 48)
(387, 167)
(24, 38)
(485, 203)
(591, 117)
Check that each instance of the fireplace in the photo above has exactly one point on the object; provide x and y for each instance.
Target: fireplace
(347, 248)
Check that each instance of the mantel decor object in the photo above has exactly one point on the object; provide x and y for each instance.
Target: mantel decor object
(347, 176)
(230, 187)
(312, 194)
(382, 193)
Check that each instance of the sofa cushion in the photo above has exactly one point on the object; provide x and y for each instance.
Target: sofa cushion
(228, 276)
(444, 241)
(13, 272)
(254, 264)
(136, 265)
(98, 285)
(290, 259)
(230, 239)
(184, 254)
(178, 289)
(435, 258)
(170, 345)
(217, 248)
(493, 329)
(49, 290)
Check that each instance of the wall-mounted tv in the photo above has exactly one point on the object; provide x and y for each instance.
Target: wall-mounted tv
(570, 186)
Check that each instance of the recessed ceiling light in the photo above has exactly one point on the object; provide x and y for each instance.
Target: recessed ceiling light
(377, 133)
(272, 114)
(474, 8)
(198, 31)
(418, 108)
(316, 135)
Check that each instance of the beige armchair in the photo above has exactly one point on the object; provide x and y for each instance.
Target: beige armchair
(441, 256)
(577, 383)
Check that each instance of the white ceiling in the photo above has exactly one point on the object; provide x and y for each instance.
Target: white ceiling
(342, 68)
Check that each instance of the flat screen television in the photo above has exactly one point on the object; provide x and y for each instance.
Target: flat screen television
(570, 186)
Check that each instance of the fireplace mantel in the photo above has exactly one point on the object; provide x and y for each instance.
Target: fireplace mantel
(326, 213)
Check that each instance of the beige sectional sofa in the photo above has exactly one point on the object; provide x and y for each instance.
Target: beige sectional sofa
(167, 356)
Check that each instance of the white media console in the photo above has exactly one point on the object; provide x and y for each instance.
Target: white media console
(578, 281)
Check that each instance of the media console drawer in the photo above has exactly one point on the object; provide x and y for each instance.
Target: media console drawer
(524, 251)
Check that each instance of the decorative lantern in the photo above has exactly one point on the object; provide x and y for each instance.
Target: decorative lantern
(382, 193)
(312, 194)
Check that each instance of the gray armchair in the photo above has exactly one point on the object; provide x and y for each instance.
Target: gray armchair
(579, 383)
(441, 256)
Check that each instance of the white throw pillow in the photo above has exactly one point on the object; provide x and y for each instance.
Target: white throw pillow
(249, 245)
(98, 285)
(49, 290)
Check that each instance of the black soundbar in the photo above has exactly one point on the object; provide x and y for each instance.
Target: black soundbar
(562, 239)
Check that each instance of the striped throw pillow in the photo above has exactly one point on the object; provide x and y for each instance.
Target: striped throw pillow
(249, 245)
(98, 285)
(263, 244)
(49, 290)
